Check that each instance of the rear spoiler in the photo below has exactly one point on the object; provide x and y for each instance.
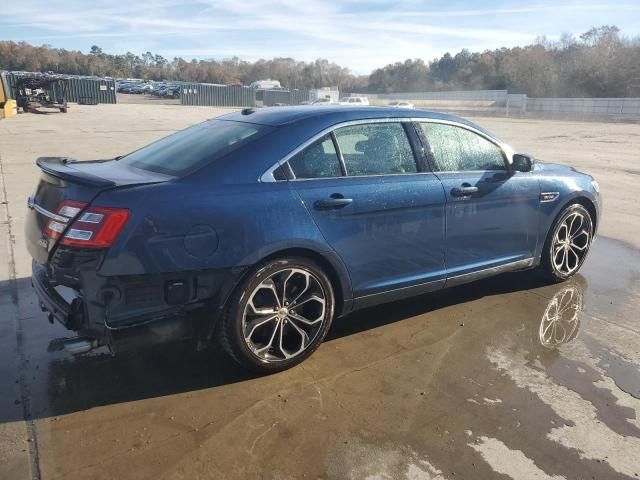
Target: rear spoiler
(61, 167)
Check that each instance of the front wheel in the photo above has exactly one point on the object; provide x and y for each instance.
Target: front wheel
(567, 244)
(279, 315)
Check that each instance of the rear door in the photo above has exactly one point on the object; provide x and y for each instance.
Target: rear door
(492, 212)
(373, 205)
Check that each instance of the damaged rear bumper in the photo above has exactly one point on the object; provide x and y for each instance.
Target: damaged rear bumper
(125, 313)
(52, 302)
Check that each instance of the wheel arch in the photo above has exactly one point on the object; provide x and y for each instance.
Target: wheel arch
(333, 267)
(589, 205)
(583, 200)
(328, 261)
(580, 199)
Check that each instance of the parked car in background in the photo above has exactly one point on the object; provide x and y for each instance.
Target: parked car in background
(322, 101)
(166, 91)
(395, 203)
(318, 102)
(130, 87)
(135, 87)
(354, 101)
(401, 104)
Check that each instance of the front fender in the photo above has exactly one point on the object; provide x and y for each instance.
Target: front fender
(549, 211)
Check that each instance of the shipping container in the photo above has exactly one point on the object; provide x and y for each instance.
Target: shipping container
(206, 94)
(86, 90)
(284, 97)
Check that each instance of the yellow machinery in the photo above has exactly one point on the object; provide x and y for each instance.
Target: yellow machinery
(8, 108)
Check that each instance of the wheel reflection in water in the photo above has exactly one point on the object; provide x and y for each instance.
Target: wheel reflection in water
(561, 320)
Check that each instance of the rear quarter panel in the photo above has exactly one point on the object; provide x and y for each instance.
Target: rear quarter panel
(183, 226)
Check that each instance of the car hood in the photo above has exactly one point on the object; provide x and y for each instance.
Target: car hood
(552, 168)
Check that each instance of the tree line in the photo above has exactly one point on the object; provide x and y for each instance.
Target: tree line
(598, 63)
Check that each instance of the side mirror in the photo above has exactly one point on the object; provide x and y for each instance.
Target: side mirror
(522, 163)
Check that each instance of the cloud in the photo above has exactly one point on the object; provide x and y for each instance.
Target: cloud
(360, 34)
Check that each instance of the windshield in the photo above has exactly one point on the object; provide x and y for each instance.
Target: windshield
(188, 149)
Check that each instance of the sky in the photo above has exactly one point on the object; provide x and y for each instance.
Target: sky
(359, 34)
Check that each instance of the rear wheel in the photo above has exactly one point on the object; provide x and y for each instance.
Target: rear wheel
(567, 244)
(279, 315)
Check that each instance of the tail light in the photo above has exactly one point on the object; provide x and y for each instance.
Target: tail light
(95, 227)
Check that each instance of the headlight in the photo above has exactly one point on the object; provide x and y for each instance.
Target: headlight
(596, 187)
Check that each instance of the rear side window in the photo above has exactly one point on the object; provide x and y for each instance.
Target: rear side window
(375, 149)
(318, 160)
(457, 149)
(195, 146)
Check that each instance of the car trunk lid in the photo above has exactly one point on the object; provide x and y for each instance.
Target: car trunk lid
(65, 179)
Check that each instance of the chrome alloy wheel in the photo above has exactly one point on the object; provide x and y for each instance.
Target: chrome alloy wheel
(284, 315)
(571, 243)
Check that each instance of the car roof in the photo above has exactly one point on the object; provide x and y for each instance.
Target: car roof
(332, 114)
(327, 115)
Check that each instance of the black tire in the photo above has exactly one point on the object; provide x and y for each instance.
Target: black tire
(233, 325)
(548, 267)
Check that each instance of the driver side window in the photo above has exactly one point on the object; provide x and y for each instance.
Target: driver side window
(455, 149)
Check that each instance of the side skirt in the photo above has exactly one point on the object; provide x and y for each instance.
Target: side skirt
(414, 290)
(523, 264)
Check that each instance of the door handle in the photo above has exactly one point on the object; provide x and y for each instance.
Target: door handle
(336, 200)
(464, 190)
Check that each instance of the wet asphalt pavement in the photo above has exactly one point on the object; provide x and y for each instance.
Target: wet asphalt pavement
(505, 376)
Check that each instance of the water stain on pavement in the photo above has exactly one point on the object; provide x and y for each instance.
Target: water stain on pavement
(503, 378)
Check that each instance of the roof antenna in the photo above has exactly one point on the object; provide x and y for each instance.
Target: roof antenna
(248, 111)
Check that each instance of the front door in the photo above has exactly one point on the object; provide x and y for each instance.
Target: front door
(384, 218)
(492, 212)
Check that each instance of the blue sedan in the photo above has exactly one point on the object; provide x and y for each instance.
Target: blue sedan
(258, 228)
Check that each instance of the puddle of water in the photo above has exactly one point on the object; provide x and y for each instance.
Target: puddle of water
(497, 376)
